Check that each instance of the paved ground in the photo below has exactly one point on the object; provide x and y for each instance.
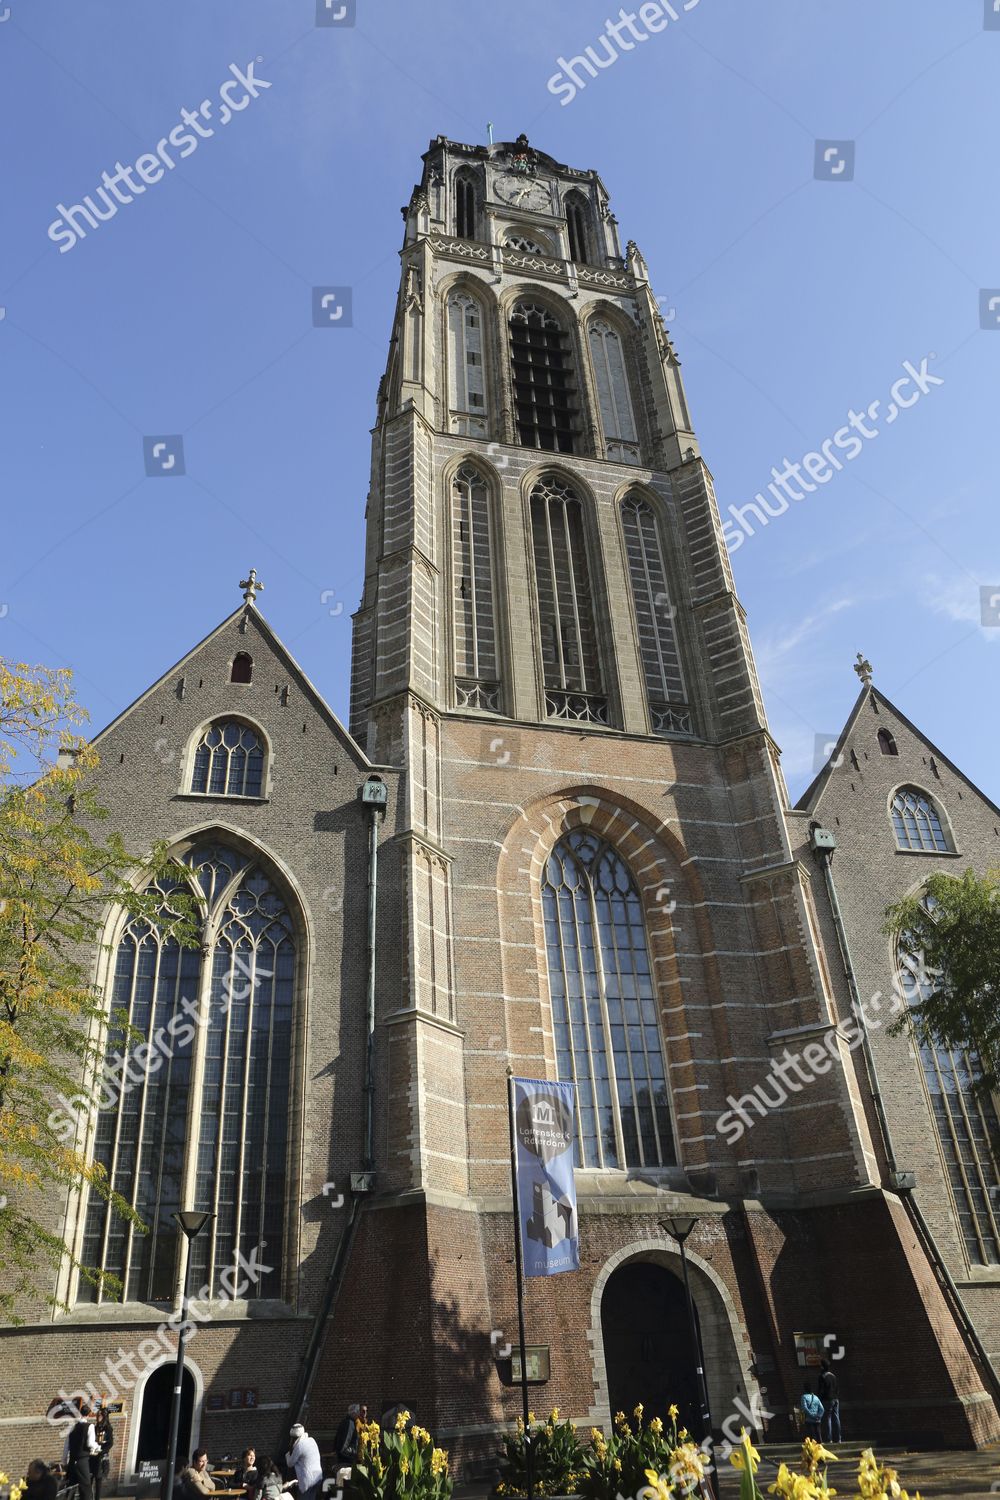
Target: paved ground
(938, 1476)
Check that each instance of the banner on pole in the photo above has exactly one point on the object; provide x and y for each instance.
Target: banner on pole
(543, 1127)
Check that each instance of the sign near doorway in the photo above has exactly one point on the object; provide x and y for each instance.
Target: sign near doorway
(537, 1364)
(544, 1128)
(243, 1398)
(808, 1349)
(149, 1470)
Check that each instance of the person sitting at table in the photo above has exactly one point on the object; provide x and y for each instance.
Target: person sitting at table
(40, 1482)
(245, 1473)
(269, 1480)
(195, 1479)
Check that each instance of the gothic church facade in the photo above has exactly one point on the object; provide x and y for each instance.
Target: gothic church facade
(588, 869)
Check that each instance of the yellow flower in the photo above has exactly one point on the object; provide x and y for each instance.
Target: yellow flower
(420, 1435)
(439, 1462)
(656, 1425)
(637, 1412)
(617, 1465)
(621, 1420)
(404, 1465)
(673, 1412)
(687, 1465)
(4, 1479)
(553, 1416)
(814, 1454)
(531, 1417)
(789, 1486)
(746, 1455)
(401, 1420)
(658, 1485)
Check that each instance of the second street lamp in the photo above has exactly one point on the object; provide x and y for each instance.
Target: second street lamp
(191, 1222)
(680, 1228)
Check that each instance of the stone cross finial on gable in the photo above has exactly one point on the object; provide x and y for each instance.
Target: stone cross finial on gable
(251, 587)
(863, 667)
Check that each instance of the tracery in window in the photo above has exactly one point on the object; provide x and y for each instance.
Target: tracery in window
(466, 375)
(544, 387)
(229, 760)
(604, 1006)
(966, 1124)
(577, 227)
(917, 822)
(615, 401)
(525, 245)
(570, 657)
(202, 1121)
(476, 669)
(654, 616)
(466, 206)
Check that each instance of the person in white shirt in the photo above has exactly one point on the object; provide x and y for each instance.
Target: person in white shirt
(303, 1457)
(81, 1445)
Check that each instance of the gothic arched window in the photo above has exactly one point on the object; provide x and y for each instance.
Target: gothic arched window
(966, 1124)
(610, 376)
(886, 743)
(526, 246)
(229, 761)
(604, 1008)
(477, 683)
(917, 822)
(466, 375)
(570, 657)
(654, 617)
(577, 227)
(202, 1120)
(544, 389)
(466, 206)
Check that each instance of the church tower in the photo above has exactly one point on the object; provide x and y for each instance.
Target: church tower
(600, 881)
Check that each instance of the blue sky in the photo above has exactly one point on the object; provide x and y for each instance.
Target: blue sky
(796, 300)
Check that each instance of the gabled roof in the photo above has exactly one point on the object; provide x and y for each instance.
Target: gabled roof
(257, 620)
(812, 794)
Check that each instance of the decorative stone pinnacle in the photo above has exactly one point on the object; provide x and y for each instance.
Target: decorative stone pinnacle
(251, 587)
(863, 667)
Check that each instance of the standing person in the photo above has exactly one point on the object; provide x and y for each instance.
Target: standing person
(829, 1394)
(303, 1457)
(345, 1440)
(100, 1462)
(812, 1410)
(81, 1445)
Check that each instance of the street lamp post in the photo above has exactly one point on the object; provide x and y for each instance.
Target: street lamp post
(680, 1229)
(191, 1222)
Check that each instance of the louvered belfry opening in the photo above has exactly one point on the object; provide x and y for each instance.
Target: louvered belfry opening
(476, 669)
(654, 615)
(570, 656)
(465, 207)
(544, 388)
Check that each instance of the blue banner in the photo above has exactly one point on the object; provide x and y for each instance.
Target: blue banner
(543, 1129)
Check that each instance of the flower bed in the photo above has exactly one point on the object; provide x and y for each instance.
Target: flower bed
(399, 1465)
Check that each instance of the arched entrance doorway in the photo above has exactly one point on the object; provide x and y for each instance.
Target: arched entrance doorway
(647, 1342)
(154, 1419)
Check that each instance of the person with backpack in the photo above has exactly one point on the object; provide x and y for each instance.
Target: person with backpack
(812, 1410)
(81, 1447)
(830, 1397)
(100, 1463)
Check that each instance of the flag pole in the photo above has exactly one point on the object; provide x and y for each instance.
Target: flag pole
(518, 1263)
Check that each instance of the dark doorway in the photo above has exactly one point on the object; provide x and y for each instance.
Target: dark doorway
(647, 1343)
(154, 1424)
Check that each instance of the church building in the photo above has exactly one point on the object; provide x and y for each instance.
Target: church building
(555, 838)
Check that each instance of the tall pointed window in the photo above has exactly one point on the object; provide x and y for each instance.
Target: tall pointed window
(617, 419)
(577, 227)
(229, 761)
(604, 1009)
(466, 376)
(477, 683)
(544, 389)
(917, 822)
(654, 617)
(966, 1124)
(202, 1121)
(466, 215)
(570, 658)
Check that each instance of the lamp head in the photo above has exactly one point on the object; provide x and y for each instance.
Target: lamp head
(192, 1221)
(679, 1227)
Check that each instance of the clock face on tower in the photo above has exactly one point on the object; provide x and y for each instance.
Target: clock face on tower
(521, 191)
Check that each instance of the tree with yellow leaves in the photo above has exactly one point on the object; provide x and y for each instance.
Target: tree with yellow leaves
(61, 872)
